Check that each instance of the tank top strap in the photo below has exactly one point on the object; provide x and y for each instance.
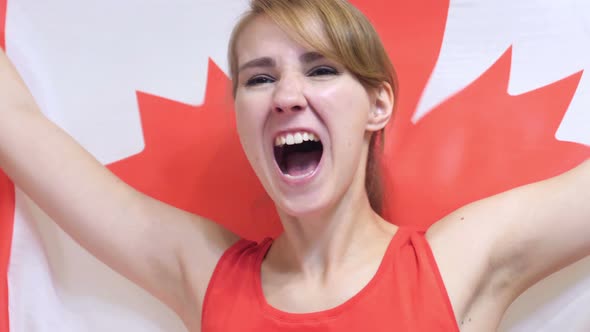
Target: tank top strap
(428, 265)
(263, 247)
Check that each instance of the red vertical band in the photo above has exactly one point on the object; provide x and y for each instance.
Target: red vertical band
(6, 213)
(7, 200)
(2, 23)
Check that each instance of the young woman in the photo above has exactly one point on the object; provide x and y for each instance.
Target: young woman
(313, 91)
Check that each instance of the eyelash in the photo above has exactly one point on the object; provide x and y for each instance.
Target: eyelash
(317, 71)
(260, 79)
(326, 70)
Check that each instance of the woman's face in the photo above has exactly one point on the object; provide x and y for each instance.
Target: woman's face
(302, 120)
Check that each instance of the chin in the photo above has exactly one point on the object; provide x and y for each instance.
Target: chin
(303, 205)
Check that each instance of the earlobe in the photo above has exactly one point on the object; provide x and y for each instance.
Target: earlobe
(382, 108)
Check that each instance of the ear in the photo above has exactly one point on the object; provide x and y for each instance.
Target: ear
(381, 108)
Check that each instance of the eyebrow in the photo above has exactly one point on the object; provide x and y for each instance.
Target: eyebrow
(268, 62)
(311, 57)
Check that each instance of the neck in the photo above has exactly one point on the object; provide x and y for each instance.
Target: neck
(318, 243)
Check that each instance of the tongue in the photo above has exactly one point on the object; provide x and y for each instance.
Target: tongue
(301, 163)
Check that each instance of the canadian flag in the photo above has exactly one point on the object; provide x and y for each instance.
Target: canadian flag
(493, 95)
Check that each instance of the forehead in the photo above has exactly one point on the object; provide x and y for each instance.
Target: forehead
(263, 37)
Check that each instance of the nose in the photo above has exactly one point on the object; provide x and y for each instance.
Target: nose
(288, 95)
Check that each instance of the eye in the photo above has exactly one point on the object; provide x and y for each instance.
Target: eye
(258, 80)
(322, 71)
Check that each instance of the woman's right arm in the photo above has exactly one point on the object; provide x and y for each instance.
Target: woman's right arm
(169, 252)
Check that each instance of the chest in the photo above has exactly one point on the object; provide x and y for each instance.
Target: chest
(405, 294)
(387, 302)
(296, 294)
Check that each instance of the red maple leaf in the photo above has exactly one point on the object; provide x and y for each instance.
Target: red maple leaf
(193, 160)
(480, 142)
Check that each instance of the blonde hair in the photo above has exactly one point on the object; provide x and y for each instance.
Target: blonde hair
(345, 36)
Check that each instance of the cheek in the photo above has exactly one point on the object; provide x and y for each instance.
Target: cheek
(348, 106)
(249, 127)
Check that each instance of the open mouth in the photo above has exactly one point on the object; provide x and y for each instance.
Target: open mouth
(298, 154)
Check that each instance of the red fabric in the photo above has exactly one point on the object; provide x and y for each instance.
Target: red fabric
(2, 23)
(6, 224)
(6, 215)
(406, 294)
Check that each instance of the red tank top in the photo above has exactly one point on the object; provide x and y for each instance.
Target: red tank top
(406, 294)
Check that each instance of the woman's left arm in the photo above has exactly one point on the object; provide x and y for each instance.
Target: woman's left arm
(504, 244)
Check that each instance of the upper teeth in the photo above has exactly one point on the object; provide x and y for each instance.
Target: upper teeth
(295, 138)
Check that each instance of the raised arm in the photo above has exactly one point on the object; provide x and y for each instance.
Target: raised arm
(167, 251)
(502, 245)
